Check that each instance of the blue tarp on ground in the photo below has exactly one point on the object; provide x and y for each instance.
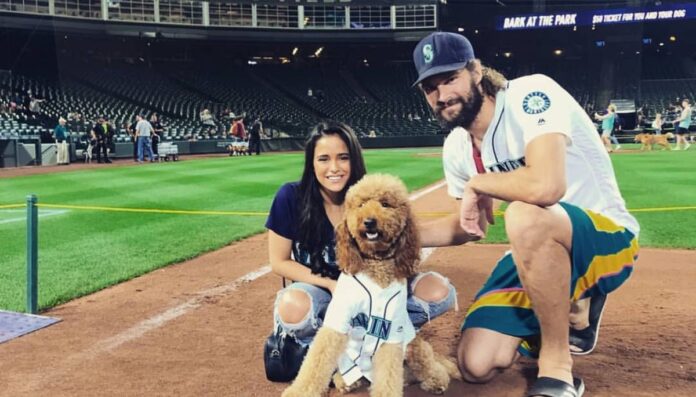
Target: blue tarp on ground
(14, 325)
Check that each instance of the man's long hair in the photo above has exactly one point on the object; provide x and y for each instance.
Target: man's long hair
(492, 80)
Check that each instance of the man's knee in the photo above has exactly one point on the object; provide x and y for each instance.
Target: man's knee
(479, 362)
(294, 306)
(523, 220)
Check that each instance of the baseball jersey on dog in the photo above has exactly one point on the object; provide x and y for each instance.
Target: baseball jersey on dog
(532, 106)
(370, 315)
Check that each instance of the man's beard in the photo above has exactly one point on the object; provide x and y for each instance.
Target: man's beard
(467, 114)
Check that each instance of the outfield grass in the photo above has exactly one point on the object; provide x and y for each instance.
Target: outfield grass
(652, 180)
(84, 251)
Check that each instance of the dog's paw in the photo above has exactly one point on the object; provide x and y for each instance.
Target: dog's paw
(293, 391)
(343, 388)
(437, 380)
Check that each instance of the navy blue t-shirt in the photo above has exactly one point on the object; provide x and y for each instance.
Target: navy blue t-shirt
(284, 219)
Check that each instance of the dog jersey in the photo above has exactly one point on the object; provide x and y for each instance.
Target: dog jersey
(530, 107)
(370, 315)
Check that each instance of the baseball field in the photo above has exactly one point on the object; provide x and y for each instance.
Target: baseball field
(190, 295)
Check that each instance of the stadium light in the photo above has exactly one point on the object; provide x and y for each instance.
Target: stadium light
(662, 44)
(558, 52)
(460, 30)
(507, 54)
(295, 50)
(318, 51)
(672, 38)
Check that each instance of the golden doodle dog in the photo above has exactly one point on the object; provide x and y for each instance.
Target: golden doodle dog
(367, 333)
(648, 140)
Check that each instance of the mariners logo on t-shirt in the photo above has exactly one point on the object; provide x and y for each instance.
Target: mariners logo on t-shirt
(536, 102)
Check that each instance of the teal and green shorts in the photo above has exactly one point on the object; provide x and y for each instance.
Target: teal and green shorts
(602, 258)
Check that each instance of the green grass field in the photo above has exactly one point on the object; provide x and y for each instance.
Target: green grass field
(84, 251)
(81, 251)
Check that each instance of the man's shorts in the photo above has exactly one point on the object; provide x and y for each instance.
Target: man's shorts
(602, 258)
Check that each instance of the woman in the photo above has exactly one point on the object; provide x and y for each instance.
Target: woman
(681, 125)
(607, 126)
(301, 242)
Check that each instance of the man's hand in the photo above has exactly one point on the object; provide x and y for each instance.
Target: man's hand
(472, 206)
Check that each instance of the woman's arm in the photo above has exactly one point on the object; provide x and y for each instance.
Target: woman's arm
(279, 249)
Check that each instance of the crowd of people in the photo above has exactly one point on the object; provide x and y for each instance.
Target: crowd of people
(146, 134)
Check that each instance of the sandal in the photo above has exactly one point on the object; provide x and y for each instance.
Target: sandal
(586, 339)
(550, 387)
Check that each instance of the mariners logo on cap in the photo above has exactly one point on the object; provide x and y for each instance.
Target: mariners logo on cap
(428, 53)
(536, 102)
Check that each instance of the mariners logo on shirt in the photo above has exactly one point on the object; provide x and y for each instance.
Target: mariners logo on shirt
(536, 102)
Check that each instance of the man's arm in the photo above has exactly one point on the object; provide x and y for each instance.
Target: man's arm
(444, 232)
(542, 181)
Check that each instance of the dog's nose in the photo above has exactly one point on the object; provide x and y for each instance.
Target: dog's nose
(370, 223)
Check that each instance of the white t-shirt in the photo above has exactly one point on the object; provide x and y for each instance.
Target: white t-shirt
(370, 315)
(532, 106)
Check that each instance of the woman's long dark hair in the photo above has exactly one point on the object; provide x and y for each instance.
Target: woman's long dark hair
(312, 212)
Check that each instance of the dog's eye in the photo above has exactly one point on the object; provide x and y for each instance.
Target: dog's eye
(362, 204)
(385, 204)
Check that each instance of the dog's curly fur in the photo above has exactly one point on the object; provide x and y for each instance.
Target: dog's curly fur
(378, 206)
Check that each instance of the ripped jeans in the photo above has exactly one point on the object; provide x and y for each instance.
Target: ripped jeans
(419, 311)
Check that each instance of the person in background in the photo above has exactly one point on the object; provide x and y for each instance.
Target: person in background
(100, 133)
(255, 137)
(143, 131)
(681, 125)
(607, 126)
(61, 135)
(657, 124)
(157, 131)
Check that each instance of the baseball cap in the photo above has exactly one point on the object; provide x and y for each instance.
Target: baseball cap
(441, 52)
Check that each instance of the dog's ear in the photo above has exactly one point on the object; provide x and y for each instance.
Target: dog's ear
(407, 254)
(347, 253)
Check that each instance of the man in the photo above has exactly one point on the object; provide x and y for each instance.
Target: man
(527, 142)
(255, 137)
(61, 135)
(157, 131)
(134, 139)
(143, 131)
(101, 132)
